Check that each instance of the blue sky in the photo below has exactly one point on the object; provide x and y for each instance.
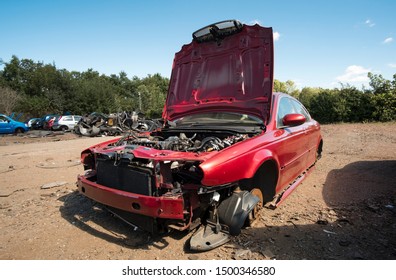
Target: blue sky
(318, 43)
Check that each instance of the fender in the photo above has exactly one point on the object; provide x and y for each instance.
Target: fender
(263, 156)
(236, 168)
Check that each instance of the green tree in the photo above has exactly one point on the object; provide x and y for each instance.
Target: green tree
(36, 88)
(358, 105)
(327, 106)
(384, 105)
(381, 85)
(288, 87)
(307, 94)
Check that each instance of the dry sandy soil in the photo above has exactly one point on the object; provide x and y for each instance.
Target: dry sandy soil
(346, 208)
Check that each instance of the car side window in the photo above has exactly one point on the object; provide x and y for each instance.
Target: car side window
(285, 107)
(68, 118)
(3, 119)
(300, 109)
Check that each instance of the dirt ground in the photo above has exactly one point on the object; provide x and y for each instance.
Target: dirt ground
(345, 209)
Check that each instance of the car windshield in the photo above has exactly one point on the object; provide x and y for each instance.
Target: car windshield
(218, 118)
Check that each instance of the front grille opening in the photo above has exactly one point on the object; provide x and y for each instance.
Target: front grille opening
(124, 177)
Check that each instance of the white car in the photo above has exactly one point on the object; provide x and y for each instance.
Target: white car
(65, 122)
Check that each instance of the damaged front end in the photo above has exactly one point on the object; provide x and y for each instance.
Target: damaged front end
(154, 183)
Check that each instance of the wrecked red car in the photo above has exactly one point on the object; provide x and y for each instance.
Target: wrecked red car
(228, 145)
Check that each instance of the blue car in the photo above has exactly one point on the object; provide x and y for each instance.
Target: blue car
(8, 125)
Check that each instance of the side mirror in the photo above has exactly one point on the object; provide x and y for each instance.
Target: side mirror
(293, 119)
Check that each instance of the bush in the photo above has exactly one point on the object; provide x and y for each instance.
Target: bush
(350, 104)
(384, 107)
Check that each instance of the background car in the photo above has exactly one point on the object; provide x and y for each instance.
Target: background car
(43, 123)
(31, 122)
(50, 122)
(65, 122)
(8, 125)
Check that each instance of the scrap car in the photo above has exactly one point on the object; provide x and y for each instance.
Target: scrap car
(96, 124)
(228, 145)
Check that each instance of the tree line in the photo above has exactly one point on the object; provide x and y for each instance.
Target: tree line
(348, 103)
(35, 89)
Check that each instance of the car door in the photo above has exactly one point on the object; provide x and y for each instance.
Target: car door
(68, 120)
(292, 147)
(5, 125)
(311, 130)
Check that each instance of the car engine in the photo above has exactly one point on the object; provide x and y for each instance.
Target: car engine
(197, 142)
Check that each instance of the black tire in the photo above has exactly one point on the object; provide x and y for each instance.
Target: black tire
(64, 128)
(319, 151)
(19, 130)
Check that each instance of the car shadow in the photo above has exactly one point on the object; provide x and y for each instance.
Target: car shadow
(358, 221)
(359, 181)
(93, 218)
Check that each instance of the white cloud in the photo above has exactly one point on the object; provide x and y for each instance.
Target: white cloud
(369, 23)
(392, 65)
(388, 40)
(353, 74)
(276, 36)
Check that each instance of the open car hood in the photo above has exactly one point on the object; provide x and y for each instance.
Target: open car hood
(227, 67)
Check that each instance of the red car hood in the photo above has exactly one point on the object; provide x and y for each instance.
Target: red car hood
(234, 74)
